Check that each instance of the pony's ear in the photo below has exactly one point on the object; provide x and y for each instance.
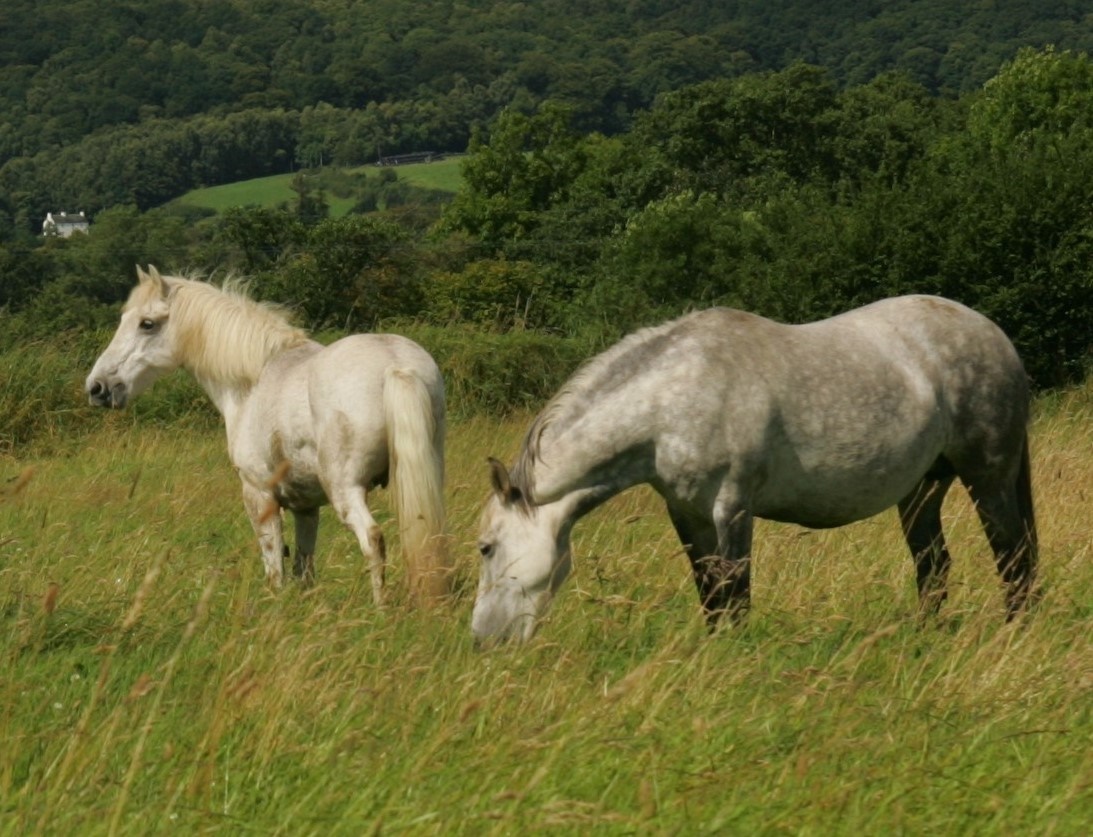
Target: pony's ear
(502, 485)
(152, 275)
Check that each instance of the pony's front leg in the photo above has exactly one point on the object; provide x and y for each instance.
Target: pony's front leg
(265, 516)
(735, 525)
(352, 509)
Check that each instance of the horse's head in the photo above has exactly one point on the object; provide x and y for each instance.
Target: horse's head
(141, 350)
(525, 558)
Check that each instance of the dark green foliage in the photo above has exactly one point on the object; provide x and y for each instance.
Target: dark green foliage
(108, 104)
(495, 295)
(73, 67)
(258, 238)
(779, 194)
(348, 273)
(493, 373)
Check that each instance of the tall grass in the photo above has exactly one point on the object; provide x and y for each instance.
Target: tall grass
(149, 682)
(43, 405)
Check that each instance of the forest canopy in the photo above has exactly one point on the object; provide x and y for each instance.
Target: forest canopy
(185, 93)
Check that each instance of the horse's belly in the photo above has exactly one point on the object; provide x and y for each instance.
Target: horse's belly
(827, 495)
(825, 511)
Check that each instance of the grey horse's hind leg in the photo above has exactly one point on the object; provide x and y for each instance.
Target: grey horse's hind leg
(720, 562)
(1012, 537)
(1006, 511)
(307, 532)
(920, 518)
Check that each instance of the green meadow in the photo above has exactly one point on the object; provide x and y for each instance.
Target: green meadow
(267, 192)
(151, 683)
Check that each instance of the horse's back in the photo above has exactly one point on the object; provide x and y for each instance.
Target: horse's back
(369, 356)
(932, 346)
(353, 369)
(967, 359)
(322, 407)
(837, 419)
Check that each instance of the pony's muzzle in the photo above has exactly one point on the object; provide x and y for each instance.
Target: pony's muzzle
(103, 395)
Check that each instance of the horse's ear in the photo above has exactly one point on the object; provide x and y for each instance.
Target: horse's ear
(502, 485)
(152, 275)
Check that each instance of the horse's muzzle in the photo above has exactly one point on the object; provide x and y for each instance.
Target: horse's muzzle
(101, 395)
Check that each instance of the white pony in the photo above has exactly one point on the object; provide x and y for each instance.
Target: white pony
(306, 424)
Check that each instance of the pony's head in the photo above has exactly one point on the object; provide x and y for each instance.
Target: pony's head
(142, 349)
(525, 559)
(221, 335)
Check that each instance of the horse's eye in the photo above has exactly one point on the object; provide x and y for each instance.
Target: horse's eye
(148, 325)
(486, 549)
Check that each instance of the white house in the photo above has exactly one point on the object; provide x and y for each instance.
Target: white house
(65, 223)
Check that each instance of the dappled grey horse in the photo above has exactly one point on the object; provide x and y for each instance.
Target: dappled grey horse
(730, 416)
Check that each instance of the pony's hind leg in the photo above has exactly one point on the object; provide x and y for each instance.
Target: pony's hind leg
(920, 519)
(351, 506)
(307, 533)
(265, 518)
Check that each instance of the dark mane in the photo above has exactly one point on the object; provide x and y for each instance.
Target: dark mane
(595, 378)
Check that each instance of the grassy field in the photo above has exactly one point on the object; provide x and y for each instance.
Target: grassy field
(443, 175)
(149, 682)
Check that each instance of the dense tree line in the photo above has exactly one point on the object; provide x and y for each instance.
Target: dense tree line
(137, 102)
(780, 192)
(783, 194)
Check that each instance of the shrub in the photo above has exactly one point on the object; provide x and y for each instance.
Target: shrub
(498, 373)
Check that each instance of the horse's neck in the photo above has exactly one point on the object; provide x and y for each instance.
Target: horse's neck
(228, 393)
(593, 451)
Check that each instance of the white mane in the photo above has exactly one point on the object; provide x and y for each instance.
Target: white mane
(221, 334)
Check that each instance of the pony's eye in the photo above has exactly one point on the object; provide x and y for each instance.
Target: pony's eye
(486, 549)
(148, 325)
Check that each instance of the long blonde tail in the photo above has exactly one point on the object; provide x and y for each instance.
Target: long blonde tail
(416, 450)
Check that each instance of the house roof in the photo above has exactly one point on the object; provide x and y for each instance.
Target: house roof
(66, 217)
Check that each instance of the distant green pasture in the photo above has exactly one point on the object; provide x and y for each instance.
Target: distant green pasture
(443, 175)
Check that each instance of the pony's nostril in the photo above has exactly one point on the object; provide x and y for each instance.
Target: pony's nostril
(95, 389)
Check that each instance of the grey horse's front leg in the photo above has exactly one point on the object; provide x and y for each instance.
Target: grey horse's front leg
(719, 551)
(735, 525)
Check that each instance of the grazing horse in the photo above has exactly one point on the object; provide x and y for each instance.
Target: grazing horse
(307, 424)
(730, 416)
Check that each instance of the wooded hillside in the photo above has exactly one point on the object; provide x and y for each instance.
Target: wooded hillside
(232, 90)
